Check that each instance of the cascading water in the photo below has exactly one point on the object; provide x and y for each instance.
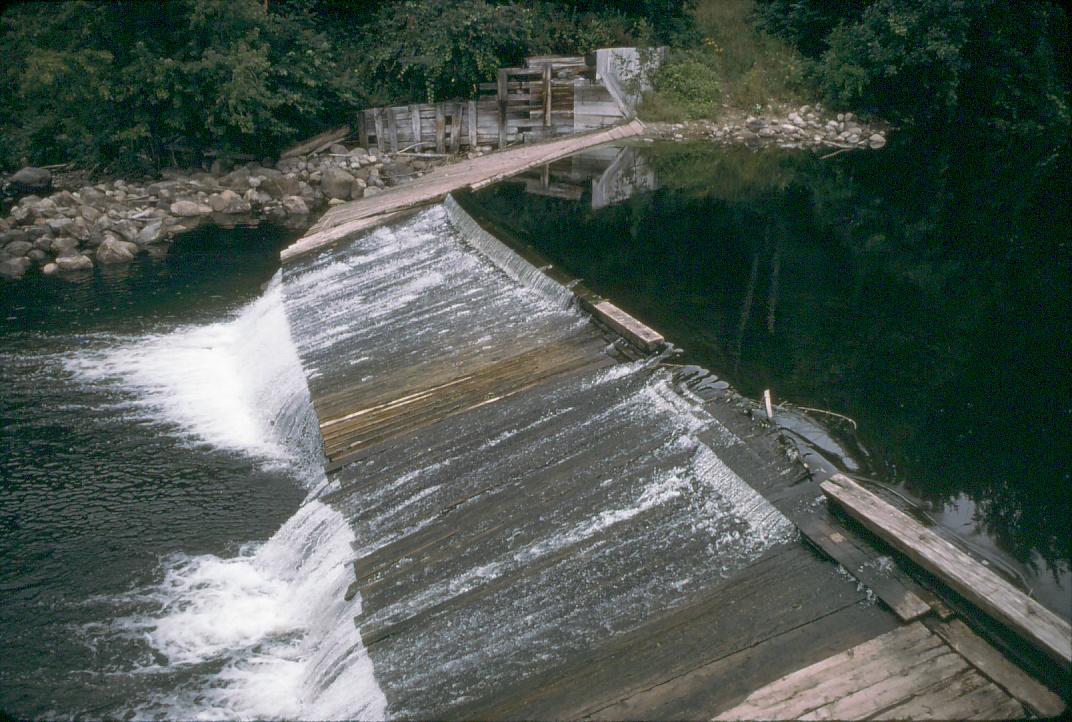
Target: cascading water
(264, 633)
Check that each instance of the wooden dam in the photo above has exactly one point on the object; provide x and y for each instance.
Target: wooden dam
(554, 522)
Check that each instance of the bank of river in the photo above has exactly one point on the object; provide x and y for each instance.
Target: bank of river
(915, 297)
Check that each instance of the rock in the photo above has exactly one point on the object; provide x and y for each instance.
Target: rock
(15, 267)
(31, 180)
(359, 152)
(767, 132)
(338, 149)
(89, 213)
(335, 183)
(295, 206)
(50, 269)
(38, 256)
(876, 141)
(150, 233)
(126, 229)
(63, 245)
(372, 191)
(74, 262)
(219, 202)
(188, 209)
(59, 225)
(112, 250)
(18, 248)
(91, 196)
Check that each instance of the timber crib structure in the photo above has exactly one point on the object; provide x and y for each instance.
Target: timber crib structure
(549, 96)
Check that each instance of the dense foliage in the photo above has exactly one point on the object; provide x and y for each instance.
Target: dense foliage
(934, 62)
(144, 84)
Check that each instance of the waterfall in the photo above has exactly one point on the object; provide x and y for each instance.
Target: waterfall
(267, 632)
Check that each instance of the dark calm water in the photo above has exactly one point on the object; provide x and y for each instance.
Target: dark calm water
(138, 460)
(923, 295)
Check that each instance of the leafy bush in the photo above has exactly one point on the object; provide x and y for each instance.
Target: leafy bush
(687, 87)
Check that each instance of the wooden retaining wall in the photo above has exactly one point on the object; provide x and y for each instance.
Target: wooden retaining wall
(549, 96)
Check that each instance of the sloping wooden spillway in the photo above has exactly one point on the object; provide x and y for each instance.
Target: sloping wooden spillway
(550, 523)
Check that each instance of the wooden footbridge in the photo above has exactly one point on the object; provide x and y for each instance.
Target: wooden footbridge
(553, 522)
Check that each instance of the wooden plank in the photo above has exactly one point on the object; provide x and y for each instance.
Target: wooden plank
(907, 600)
(323, 140)
(471, 116)
(455, 127)
(415, 125)
(377, 118)
(968, 696)
(362, 129)
(840, 675)
(440, 129)
(633, 330)
(547, 96)
(392, 129)
(992, 594)
(500, 97)
(994, 665)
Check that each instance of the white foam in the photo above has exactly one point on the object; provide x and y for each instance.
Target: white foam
(275, 618)
(225, 384)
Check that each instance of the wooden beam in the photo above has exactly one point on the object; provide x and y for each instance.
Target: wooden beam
(500, 97)
(631, 329)
(547, 96)
(982, 587)
(392, 129)
(323, 140)
(440, 129)
(994, 665)
(455, 127)
(415, 125)
(362, 129)
(381, 142)
(471, 113)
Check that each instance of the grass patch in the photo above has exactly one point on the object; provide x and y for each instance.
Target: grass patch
(726, 63)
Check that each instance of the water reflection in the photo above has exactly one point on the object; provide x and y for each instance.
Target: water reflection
(922, 292)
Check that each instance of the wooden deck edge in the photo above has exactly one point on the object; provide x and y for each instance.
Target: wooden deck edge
(434, 187)
(990, 662)
(986, 590)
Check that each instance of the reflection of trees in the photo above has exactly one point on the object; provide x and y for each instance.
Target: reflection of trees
(919, 290)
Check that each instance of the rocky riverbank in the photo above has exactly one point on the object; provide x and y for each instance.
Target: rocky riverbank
(72, 230)
(809, 126)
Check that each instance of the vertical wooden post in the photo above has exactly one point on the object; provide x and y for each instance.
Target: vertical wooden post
(456, 127)
(415, 124)
(392, 129)
(377, 118)
(545, 176)
(440, 129)
(362, 129)
(472, 125)
(547, 95)
(500, 95)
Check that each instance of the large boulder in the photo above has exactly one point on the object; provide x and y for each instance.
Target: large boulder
(91, 195)
(63, 246)
(31, 180)
(15, 267)
(18, 248)
(295, 206)
(189, 209)
(335, 183)
(227, 201)
(150, 234)
(114, 250)
(74, 262)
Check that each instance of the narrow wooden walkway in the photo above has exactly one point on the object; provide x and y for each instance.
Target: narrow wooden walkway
(349, 218)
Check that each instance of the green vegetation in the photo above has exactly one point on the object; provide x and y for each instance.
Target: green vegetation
(132, 85)
(724, 61)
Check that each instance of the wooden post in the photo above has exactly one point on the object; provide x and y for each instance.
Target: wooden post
(456, 128)
(440, 129)
(547, 96)
(500, 96)
(472, 125)
(415, 124)
(392, 129)
(377, 118)
(362, 129)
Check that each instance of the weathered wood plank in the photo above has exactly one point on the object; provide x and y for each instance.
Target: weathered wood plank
(500, 97)
(636, 332)
(455, 127)
(547, 95)
(440, 129)
(471, 117)
(994, 665)
(377, 118)
(415, 125)
(967, 696)
(1037, 624)
(392, 130)
(362, 129)
(317, 142)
